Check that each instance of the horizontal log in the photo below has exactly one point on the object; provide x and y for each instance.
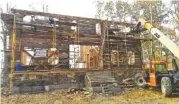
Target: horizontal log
(22, 13)
(27, 31)
(30, 36)
(77, 70)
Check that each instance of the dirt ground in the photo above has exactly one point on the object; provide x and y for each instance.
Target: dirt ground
(127, 96)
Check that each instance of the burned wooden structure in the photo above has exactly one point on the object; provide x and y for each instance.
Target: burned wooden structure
(46, 44)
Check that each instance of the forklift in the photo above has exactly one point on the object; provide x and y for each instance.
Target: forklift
(156, 73)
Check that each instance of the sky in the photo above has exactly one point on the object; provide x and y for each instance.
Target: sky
(85, 8)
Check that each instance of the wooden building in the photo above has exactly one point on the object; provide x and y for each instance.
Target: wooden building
(42, 45)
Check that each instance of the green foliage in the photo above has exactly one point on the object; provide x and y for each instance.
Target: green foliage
(109, 10)
(99, 7)
(154, 8)
(123, 10)
(174, 12)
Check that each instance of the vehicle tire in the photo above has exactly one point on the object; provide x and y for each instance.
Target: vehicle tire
(139, 81)
(166, 86)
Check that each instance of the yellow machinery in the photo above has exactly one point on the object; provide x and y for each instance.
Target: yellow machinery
(156, 74)
(168, 43)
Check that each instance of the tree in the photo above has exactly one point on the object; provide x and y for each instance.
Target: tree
(99, 7)
(109, 10)
(123, 10)
(154, 9)
(174, 12)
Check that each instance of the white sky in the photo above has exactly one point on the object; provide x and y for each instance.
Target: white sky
(85, 8)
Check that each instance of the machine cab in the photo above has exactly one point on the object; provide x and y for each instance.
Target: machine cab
(151, 70)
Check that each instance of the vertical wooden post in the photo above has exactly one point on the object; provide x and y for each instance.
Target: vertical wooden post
(102, 45)
(141, 53)
(13, 48)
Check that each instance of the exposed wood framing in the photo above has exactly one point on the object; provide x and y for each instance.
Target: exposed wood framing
(38, 35)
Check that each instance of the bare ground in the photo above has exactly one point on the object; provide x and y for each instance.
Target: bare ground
(127, 96)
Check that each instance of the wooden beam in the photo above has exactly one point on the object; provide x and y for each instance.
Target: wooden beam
(23, 13)
(67, 71)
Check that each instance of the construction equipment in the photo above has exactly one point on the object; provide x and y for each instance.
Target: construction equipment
(155, 73)
(167, 42)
